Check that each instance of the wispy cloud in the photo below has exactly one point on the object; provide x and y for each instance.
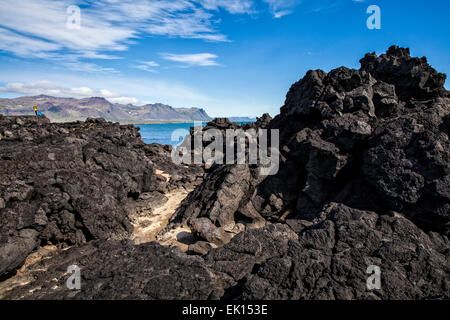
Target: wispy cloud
(232, 6)
(80, 66)
(281, 8)
(193, 60)
(38, 29)
(23, 46)
(47, 20)
(148, 66)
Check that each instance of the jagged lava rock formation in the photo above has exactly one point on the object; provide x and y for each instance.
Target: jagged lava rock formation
(67, 184)
(363, 152)
(364, 180)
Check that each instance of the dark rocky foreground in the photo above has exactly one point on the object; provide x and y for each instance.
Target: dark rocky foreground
(364, 180)
(68, 184)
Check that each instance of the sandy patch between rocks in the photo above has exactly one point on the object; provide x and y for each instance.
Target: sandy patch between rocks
(151, 221)
(180, 236)
(162, 173)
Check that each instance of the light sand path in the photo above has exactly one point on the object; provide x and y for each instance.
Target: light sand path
(149, 222)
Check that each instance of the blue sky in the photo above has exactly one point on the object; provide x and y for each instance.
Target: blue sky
(231, 57)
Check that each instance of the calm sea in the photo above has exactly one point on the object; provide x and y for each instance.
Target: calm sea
(162, 133)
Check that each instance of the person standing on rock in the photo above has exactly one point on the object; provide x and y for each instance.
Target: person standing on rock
(37, 112)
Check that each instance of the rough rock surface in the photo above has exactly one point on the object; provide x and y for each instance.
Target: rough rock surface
(118, 270)
(330, 260)
(66, 184)
(371, 142)
(224, 197)
(325, 259)
(374, 139)
(180, 175)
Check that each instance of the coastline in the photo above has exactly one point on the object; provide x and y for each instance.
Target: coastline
(159, 122)
(54, 119)
(134, 122)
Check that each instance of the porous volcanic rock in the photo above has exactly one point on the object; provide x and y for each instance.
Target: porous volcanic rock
(225, 196)
(66, 184)
(331, 257)
(186, 176)
(117, 270)
(364, 180)
(374, 139)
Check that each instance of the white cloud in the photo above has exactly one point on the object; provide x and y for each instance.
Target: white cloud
(114, 87)
(47, 20)
(145, 68)
(150, 63)
(24, 46)
(148, 66)
(106, 93)
(195, 23)
(32, 28)
(125, 100)
(38, 28)
(280, 8)
(76, 65)
(95, 55)
(81, 92)
(232, 6)
(193, 60)
(280, 14)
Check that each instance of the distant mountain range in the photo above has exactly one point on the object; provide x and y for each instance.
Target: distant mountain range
(70, 109)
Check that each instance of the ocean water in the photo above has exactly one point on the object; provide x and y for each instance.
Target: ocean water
(162, 133)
